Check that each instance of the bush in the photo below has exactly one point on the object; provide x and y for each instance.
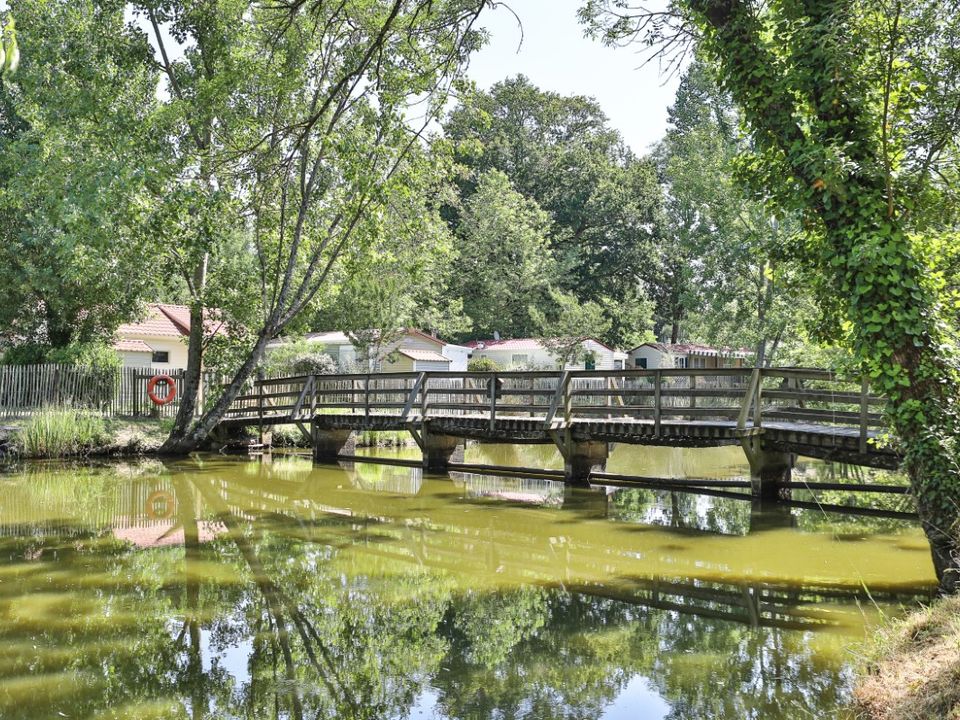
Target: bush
(58, 432)
(101, 358)
(300, 358)
(483, 364)
(25, 354)
(91, 356)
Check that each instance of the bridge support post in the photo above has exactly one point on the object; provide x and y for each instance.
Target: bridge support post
(769, 469)
(328, 445)
(581, 457)
(439, 451)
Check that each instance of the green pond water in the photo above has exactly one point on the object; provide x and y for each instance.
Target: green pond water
(225, 587)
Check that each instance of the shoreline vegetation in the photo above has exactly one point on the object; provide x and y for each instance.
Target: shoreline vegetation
(913, 671)
(61, 433)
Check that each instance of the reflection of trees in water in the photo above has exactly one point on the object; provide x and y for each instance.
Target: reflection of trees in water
(681, 510)
(100, 627)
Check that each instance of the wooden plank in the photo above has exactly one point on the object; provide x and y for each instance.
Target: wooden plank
(657, 402)
(845, 417)
(810, 395)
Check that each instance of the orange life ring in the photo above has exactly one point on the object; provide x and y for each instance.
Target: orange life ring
(151, 506)
(152, 389)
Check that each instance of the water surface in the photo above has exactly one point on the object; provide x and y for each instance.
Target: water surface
(233, 588)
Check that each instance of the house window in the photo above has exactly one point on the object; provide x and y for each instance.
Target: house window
(680, 362)
(699, 362)
(161, 356)
(518, 359)
(640, 363)
(618, 364)
(590, 364)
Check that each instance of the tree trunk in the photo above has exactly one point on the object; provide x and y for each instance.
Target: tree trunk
(193, 437)
(193, 374)
(873, 265)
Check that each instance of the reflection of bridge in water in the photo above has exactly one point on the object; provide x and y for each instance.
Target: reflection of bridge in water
(567, 542)
(485, 531)
(774, 414)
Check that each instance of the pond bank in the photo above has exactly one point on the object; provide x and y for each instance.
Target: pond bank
(61, 434)
(915, 670)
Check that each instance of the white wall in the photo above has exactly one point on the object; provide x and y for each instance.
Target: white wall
(655, 358)
(176, 348)
(516, 359)
(135, 359)
(541, 357)
(459, 357)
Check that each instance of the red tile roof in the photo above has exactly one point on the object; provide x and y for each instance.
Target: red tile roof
(169, 321)
(132, 346)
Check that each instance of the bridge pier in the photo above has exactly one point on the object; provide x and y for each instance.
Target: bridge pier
(581, 457)
(769, 469)
(439, 451)
(328, 445)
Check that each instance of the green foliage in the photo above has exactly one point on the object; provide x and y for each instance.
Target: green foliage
(729, 275)
(483, 364)
(402, 276)
(9, 48)
(74, 195)
(91, 356)
(505, 265)
(568, 324)
(300, 357)
(56, 433)
(849, 107)
(560, 153)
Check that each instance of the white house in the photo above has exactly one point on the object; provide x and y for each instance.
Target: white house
(414, 351)
(524, 353)
(686, 355)
(160, 340)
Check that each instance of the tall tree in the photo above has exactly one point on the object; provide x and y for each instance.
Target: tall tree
(852, 107)
(728, 273)
(505, 266)
(569, 324)
(403, 276)
(75, 173)
(288, 127)
(561, 152)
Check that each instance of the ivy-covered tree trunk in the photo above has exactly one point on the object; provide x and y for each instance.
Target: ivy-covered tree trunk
(812, 120)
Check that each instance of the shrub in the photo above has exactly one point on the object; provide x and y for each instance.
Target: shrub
(57, 432)
(300, 358)
(483, 364)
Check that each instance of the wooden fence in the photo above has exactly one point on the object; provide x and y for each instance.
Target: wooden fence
(25, 389)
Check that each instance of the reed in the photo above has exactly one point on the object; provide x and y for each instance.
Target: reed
(61, 432)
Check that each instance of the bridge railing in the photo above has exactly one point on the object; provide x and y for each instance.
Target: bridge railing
(750, 397)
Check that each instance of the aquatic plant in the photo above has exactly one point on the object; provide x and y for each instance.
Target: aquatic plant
(60, 432)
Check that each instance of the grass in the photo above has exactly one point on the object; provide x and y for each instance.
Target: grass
(64, 432)
(55, 432)
(915, 674)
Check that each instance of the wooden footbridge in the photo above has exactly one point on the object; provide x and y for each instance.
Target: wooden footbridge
(774, 414)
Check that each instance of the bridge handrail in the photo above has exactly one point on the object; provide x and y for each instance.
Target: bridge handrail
(642, 394)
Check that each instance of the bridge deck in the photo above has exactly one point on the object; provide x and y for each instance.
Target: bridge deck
(808, 412)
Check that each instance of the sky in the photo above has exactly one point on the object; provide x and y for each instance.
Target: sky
(556, 56)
